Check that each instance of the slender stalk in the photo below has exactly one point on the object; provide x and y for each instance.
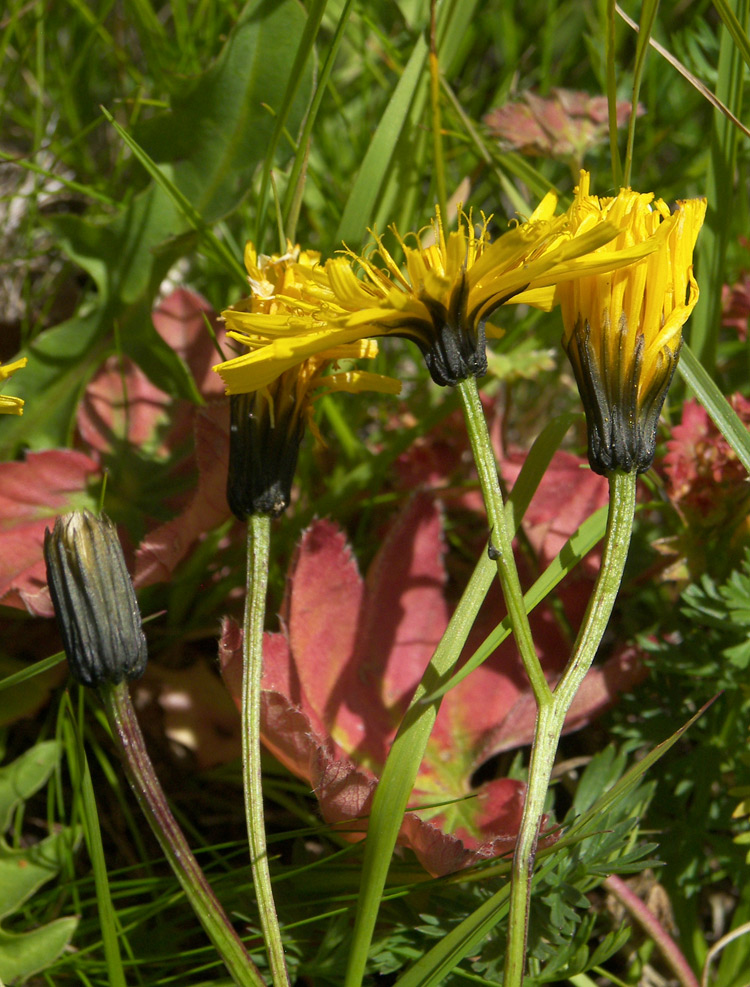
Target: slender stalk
(153, 802)
(401, 766)
(500, 535)
(553, 709)
(437, 132)
(258, 541)
(653, 928)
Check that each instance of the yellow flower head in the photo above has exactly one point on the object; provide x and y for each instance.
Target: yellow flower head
(623, 329)
(10, 405)
(450, 287)
(269, 415)
(441, 299)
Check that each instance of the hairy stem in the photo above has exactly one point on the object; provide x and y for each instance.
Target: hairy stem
(553, 709)
(153, 802)
(500, 536)
(258, 542)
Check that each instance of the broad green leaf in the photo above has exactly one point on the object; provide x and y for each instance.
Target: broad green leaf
(25, 954)
(61, 362)
(24, 871)
(123, 255)
(24, 776)
(228, 106)
(162, 177)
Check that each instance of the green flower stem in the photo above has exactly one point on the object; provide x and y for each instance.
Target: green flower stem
(402, 764)
(651, 925)
(145, 784)
(258, 541)
(500, 535)
(553, 709)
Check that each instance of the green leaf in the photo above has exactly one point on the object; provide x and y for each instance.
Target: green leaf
(24, 871)
(61, 361)
(626, 784)
(722, 414)
(24, 776)
(122, 255)
(27, 953)
(735, 28)
(228, 107)
(360, 206)
(388, 164)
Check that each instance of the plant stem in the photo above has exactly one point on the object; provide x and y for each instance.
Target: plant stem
(401, 766)
(553, 709)
(437, 132)
(258, 541)
(653, 928)
(500, 537)
(153, 802)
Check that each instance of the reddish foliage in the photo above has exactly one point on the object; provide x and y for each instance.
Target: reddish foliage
(567, 124)
(735, 303)
(705, 477)
(709, 486)
(122, 412)
(32, 494)
(340, 674)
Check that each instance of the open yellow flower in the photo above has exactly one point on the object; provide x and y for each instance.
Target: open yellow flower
(268, 418)
(8, 404)
(441, 299)
(623, 329)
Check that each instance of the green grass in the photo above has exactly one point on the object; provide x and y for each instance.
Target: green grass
(140, 142)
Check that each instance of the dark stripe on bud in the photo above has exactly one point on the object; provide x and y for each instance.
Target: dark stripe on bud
(94, 600)
(621, 426)
(262, 453)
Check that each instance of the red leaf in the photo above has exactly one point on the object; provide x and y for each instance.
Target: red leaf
(339, 675)
(180, 320)
(166, 546)
(32, 494)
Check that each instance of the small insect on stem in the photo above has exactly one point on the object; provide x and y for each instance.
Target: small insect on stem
(493, 551)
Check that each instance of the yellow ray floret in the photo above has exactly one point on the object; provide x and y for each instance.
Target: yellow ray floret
(442, 297)
(8, 404)
(623, 329)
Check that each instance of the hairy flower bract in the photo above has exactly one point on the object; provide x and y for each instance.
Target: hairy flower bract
(622, 329)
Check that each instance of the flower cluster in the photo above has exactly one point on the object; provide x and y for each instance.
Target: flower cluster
(620, 268)
(708, 485)
(268, 417)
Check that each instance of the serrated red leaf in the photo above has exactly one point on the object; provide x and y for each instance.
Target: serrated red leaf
(339, 675)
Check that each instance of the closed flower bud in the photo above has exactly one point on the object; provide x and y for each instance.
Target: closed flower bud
(264, 441)
(94, 600)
